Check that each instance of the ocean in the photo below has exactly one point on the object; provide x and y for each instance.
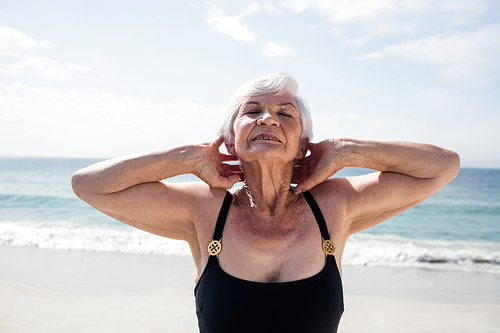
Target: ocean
(456, 229)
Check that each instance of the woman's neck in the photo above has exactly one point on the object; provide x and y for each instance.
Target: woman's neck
(267, 187)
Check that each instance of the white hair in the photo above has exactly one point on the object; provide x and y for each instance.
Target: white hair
(275, 84)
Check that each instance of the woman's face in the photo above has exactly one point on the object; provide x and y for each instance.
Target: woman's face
(268, 127)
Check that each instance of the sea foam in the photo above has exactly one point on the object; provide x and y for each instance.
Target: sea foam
(361, 249)
(68, 236)
(395, 251)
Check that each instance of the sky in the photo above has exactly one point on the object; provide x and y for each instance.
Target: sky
(100, 79)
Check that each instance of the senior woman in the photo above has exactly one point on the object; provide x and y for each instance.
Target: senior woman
(267, 255)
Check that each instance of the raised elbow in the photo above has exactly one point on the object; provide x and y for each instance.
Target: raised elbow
(79, 184)
(452, 165)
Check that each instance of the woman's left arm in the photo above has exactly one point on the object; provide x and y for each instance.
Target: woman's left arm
(408, 174)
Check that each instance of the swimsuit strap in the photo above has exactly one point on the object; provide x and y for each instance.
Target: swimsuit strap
(317, 214)
(215, 246)
(221, 219)
(328, 246)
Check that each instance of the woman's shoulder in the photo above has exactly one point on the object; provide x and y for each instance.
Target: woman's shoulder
(332, 195)
(205, 201)
(331, 189)
(343, 190)
(199, 194)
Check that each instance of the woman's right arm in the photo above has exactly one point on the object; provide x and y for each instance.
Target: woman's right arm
(130, 190)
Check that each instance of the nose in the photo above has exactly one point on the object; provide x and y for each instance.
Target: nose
(268, 119)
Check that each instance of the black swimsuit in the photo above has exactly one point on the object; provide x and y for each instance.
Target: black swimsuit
(225, 303)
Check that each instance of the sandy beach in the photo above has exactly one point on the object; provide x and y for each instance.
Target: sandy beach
(78, 291)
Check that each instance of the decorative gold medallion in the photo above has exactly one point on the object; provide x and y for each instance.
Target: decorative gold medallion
(214, 248)
(328, 247)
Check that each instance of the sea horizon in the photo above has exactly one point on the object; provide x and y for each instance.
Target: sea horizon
(98, 159)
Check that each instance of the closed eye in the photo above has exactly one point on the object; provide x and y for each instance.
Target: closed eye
(253, 111)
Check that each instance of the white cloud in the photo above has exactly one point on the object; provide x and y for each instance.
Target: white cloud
(298, 5)
(76, 67)
(360, 20)
(250, 9)
(45, 44)
(43, 68)
(13, 41)
(325, 70)
(9, 72)
(234, 27)
(272, 8)
(356, 41)
(345, 11)
(272, 50)
(372, 55)
(458, 53)
(18, 49)
(229, 25)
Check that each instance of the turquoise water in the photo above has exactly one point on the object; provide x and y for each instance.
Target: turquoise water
(457, 228)
(467, 209)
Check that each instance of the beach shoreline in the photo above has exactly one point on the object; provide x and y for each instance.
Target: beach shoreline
(82, 291)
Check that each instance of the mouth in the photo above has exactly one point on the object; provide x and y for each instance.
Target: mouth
(266, 137)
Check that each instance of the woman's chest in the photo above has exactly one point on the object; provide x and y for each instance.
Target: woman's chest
(276, 251)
